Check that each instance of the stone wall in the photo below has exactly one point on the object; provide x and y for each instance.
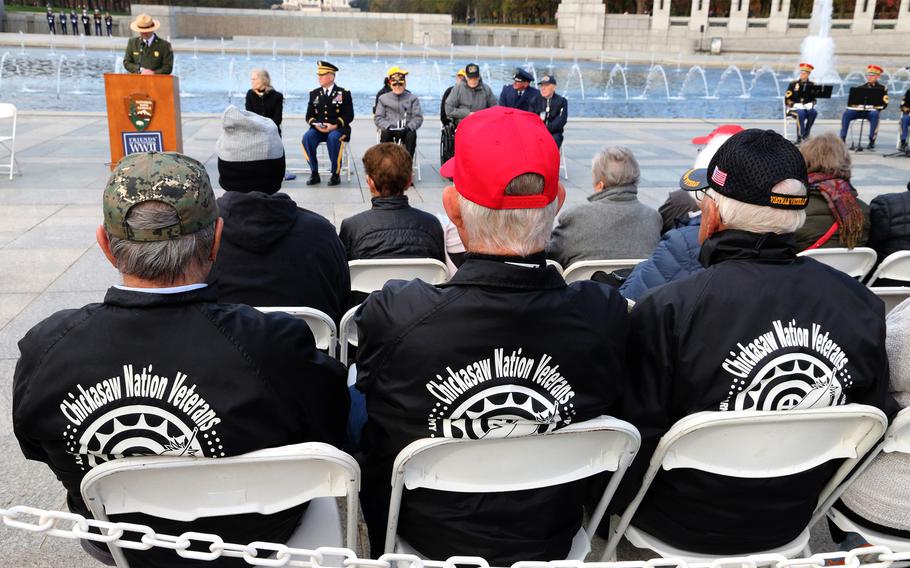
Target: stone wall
(509, 37)
(36, 23)
(187, 22)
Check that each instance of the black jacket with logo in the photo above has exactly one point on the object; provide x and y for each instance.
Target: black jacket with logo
(500, 340)
(173, 374)
(393, 229)
(759, 329)
(890, 219)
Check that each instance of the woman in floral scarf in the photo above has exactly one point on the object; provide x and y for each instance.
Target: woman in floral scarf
(835, 216)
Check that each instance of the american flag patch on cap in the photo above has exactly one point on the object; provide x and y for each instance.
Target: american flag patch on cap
(719, 176)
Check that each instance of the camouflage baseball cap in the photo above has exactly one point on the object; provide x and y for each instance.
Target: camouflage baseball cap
(169, 177)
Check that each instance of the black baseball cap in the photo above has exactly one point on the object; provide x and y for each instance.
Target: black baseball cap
(547, 80)
(472, 70)
(748, 165)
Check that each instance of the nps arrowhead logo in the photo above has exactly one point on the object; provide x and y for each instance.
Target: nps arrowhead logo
(140, 108)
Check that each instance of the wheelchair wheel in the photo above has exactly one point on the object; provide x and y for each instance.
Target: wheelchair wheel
(446, 144)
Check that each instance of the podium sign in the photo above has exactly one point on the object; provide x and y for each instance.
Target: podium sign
(143, 114)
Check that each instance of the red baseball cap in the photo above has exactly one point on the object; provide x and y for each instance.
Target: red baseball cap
(496, 145)
(729, 129)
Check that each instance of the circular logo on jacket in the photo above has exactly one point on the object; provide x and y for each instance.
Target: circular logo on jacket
(791, 381)
(502, 411)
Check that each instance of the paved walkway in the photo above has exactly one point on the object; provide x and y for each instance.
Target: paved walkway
(49, 260)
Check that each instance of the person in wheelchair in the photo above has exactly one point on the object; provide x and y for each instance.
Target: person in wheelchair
(459, 79)
(469, 97)
(873, 72)
(800, 101)
(398, 114)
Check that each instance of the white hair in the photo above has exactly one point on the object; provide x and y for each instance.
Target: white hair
(263, 77)
(615, 166)
(522, 231)
(759, 218)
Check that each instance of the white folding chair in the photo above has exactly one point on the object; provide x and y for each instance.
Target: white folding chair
(756, 445)
(584, 269)
(575, 452)
(8, 142)
(324, 331)
(891, 295)
(787, 120)
(856, 262)
(555, 264)
(369, 275)
(325, 165)
(896, 266)
(562, 165)
(264, 481)
(897, 439)
(347, 335)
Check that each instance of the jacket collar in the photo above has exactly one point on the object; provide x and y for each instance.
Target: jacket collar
(733, 244)
(513, 272)
(617, 193)
(390, 202)
(128, 299)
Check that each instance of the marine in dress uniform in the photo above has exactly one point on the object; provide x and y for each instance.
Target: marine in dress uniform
(873, 72)
(51, 21)
(86, 22)
(552, 108)
(62, 22)
(801, 102)
(329, 113)
(74, 20)
(109, 23)
(905, 120)
(147, 54)
(97, 18)
(520, 94)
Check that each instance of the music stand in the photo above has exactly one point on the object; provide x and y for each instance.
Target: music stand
(822, 91)
(866, 99)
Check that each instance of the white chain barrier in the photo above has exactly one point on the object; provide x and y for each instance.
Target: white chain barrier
(73, 526)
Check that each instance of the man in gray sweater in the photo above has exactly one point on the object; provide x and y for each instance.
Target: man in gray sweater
(469, 97)
(398, 114)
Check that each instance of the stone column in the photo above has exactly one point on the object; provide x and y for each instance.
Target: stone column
(863, 15)
(660, 15)
(698, 17)
(739, 16)
(580, 24)
(903, 17)
(779, 22)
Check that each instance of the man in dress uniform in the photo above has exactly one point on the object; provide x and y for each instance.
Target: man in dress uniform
(109, 23)
(86, 22)
(552, 108)
(74, 20)
(147, 54)
(873, 72)
(51, 21)
(97, 18)
(800, 101)
(329, 113)
(62, 22)
(520, 94)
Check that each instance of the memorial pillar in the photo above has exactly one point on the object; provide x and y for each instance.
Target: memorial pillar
(581, 24)
(660, 15)
(779, 22)
(903, 17)
(739, 16)
(863, 15)
(698, 17)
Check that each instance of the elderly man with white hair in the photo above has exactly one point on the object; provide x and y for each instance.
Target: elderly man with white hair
(505, 348)
(758, 329)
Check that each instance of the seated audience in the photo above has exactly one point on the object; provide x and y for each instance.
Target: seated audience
(728, 338)
(473, 95)
(266, 101)
(614, 224)
(520, 94)
(880, 498)
(397, 113)
(504, 304)
(385, 89)
(459, 78)
(890, 223)
(391, 228)
(835, 216)
(273, 253)
(160, 368)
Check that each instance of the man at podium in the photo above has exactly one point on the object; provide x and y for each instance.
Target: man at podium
(869, 112)
(800, 101)
(147, 54)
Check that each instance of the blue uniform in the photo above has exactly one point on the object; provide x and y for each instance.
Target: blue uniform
(51, 18)
(905, 119)
(554, 112)
(801, 92)
(871, 115)
(336, 108)
(526, 100)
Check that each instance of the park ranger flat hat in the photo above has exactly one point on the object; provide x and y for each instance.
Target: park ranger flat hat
(168, 177)
(324, 68)
(144, 23)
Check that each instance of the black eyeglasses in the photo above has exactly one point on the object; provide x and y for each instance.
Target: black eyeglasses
(397, 83)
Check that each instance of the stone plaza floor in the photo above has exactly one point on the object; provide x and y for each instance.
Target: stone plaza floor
(49, 259)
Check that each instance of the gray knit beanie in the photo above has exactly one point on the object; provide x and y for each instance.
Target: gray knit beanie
(250, 152)
(896, 343)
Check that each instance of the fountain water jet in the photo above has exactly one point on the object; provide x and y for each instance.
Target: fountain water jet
(195, 54)
(742, 83)
(59, 68)
(695, 70)
(818, 47)
(576, 70)
(653, 73)
(766, 70)
(625, 84)
(222, 48)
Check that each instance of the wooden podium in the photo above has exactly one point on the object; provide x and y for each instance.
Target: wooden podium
(143, 114)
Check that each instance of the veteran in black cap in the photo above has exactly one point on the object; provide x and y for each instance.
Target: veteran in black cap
(520, 94)
(329, 114)
(552, 108)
